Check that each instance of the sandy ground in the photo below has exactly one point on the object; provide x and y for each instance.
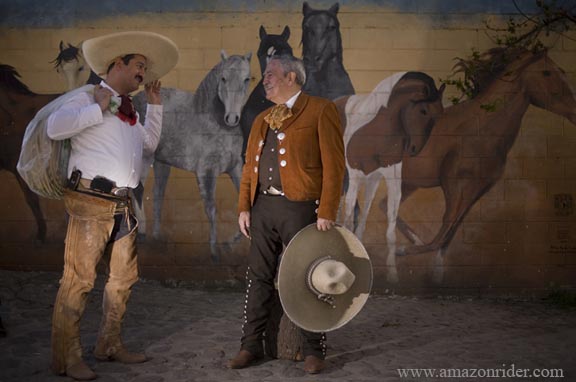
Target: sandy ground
(189, 335)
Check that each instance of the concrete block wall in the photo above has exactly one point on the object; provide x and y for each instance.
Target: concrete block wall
(518, 238)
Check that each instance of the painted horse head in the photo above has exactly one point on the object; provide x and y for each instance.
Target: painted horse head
(233, 82)
(420, 104)
(321, 39)
(271, 44)
(547, 85)
(71, 65)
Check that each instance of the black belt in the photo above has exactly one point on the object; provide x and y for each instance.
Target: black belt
(119, 192)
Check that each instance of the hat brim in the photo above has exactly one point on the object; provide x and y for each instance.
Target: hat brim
(161, 53)
(303, 307)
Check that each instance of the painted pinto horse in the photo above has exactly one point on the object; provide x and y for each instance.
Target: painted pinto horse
(270, 44)
(201, 134)
(322, 54)
(470, 130)
(18, 105)
(392, 122)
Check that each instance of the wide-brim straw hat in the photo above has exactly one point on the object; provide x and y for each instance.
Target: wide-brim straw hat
(339, 265)
(161, 53)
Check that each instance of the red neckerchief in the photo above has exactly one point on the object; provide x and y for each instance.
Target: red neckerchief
(126, 110)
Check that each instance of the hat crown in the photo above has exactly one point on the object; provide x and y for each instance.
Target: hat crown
(331, 277)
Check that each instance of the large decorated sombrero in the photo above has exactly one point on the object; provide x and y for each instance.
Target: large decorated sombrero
(161, 53)
(324, 278)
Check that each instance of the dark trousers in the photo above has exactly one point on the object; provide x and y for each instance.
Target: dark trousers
(274, 221)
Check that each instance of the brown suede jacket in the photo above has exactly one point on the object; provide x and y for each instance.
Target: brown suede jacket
(314, 157)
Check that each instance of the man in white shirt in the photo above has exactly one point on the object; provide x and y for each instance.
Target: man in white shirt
(107, 144)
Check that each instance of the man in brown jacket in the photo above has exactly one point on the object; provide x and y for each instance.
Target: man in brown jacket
(292, 178)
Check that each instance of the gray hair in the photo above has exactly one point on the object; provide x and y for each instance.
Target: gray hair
(289, 64)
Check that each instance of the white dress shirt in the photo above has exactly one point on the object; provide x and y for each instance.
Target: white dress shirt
(101, 143)
(292, 100)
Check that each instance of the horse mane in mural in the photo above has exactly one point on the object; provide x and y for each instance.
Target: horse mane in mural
(322, 54)
(270, 44)
(467, 150)
(380, 128)
(18, 105)
(200, 134)
(71, 65)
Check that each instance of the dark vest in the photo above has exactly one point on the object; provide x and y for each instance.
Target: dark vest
(268, 173)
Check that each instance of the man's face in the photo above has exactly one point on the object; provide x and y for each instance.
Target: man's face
(277, 85)
(133, 72)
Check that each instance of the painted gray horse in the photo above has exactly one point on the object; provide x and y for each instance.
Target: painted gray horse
(201, 134)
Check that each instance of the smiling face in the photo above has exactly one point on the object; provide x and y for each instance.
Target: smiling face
(279, 86)
(127, 77)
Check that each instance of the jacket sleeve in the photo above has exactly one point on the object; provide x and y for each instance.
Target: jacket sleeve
(245, 192)
(333, 162)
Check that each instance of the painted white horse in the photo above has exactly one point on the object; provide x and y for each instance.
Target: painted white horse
(380, 128)
(70, 64)
(201, 134)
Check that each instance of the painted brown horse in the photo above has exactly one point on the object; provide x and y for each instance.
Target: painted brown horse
(18, 105)
(409, 104)
(467, 150)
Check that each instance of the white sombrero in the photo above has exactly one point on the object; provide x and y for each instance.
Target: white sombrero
(161, 53)
(324, 278)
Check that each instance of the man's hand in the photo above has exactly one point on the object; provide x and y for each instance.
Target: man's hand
(324, 224)
(244, 223)
(153, 96)
(102, 96)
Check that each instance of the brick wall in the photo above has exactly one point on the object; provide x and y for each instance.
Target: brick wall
(516, 238)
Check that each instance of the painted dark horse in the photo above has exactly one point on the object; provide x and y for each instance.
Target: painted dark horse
(270, 44)
(18, 105)
(322, 54)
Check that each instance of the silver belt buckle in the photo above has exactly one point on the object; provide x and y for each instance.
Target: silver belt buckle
(120, 192)
(273, 191)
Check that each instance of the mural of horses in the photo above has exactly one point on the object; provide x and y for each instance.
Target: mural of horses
(18, 105)
(71, 65)
(468, 130)
(322, 54)
(381, 128)
(201, 134)
(270, 44)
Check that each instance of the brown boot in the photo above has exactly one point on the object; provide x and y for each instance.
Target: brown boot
(313, 364)
(121, 355)
(243, 359)
(80, 371)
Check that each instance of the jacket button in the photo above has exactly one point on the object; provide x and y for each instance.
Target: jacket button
(282, 150)
(257, 158)
(281, 136)
(255, 169)
(283, 163)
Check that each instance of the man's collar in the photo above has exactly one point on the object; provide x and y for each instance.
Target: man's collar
(105, 85)
(290, 103)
